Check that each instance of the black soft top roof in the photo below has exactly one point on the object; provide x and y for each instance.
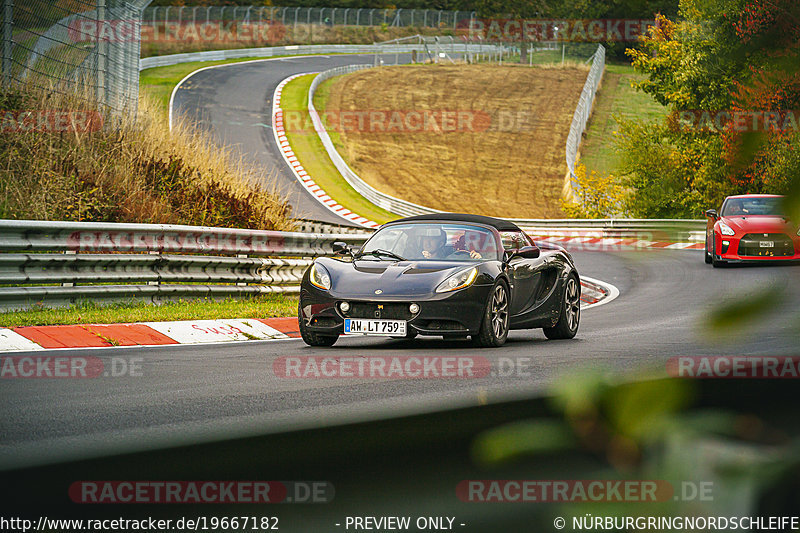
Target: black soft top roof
(497, 223)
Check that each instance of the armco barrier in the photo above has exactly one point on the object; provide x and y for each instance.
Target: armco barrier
(59, 263)
(271, 51)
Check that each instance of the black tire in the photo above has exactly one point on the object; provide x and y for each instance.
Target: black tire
(570, 316)
(311, 338)
(714, 261)
(494, 326)
(707, 253)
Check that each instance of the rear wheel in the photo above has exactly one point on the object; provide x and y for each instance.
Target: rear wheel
(311, 338)
(494, 327)
(570, 317)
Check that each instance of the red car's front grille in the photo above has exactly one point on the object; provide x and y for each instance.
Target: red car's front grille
(758, 245)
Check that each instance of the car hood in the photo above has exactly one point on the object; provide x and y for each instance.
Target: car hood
(759, 224)
(361, 279)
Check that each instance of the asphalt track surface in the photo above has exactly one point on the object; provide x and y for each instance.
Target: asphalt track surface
(201, 393)
(188, 393)
(234, 103)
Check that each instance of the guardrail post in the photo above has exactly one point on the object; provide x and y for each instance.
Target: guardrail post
(68, 283)
(8, 40)
(242, 256)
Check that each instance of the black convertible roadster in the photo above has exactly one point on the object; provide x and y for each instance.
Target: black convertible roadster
(446, 274)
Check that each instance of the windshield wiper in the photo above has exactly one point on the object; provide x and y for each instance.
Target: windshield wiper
(378, 252)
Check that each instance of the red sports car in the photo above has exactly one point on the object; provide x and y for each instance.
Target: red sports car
(751, 228)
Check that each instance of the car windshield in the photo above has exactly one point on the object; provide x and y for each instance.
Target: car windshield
(752, 206)
(432, 242)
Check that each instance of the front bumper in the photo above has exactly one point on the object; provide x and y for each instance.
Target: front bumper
(455, 313)
(744, 248)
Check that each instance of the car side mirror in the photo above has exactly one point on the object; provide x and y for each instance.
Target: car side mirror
(340, 248)
(526, 252)
(712, 213)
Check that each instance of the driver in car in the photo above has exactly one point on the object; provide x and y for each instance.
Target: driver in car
(433, 246)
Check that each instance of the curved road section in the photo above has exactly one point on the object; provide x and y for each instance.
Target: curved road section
(234, 103)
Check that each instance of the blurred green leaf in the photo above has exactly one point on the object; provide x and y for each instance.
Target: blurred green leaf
(643, 410)
(735, 316)
(529, 437)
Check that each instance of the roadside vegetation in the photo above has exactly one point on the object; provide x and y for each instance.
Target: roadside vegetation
(283, 35)
(267, 306)
(127, 171)
(735, 57)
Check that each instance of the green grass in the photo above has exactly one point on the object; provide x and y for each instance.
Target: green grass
(312, 155)
(615, 99)
(267, 306)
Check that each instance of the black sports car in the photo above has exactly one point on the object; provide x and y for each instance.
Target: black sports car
(446, 274)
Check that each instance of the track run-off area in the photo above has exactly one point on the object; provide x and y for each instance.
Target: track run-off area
(182, 394)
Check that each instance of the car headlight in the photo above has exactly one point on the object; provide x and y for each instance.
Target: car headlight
(319, 277)
(459, 280)
(726, 229)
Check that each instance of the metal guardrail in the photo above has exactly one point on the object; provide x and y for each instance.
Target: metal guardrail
(106, 262)
(62, 263)
(272, 51)
(584, 110)
(382, 200)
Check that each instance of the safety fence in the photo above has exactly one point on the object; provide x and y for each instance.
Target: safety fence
(84, 49)
(331, 16)
(584, 110)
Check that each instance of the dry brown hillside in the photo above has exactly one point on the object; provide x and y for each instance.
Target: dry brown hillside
(474, 138)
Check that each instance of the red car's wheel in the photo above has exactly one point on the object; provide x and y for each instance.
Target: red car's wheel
(707, 253)
(716, 263)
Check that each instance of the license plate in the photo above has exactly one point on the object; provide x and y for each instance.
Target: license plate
(373, 326)
(766, 244)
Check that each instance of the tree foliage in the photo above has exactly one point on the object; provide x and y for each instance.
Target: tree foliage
(733, 56)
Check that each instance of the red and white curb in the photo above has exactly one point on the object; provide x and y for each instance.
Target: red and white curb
(299, 172)
(31, 338)
(589, 243)
(36, 338)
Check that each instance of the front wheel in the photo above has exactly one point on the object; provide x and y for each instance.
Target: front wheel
(570, 316)
(707, 253)
(716, 263)
(311, 338)
(494, 327)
